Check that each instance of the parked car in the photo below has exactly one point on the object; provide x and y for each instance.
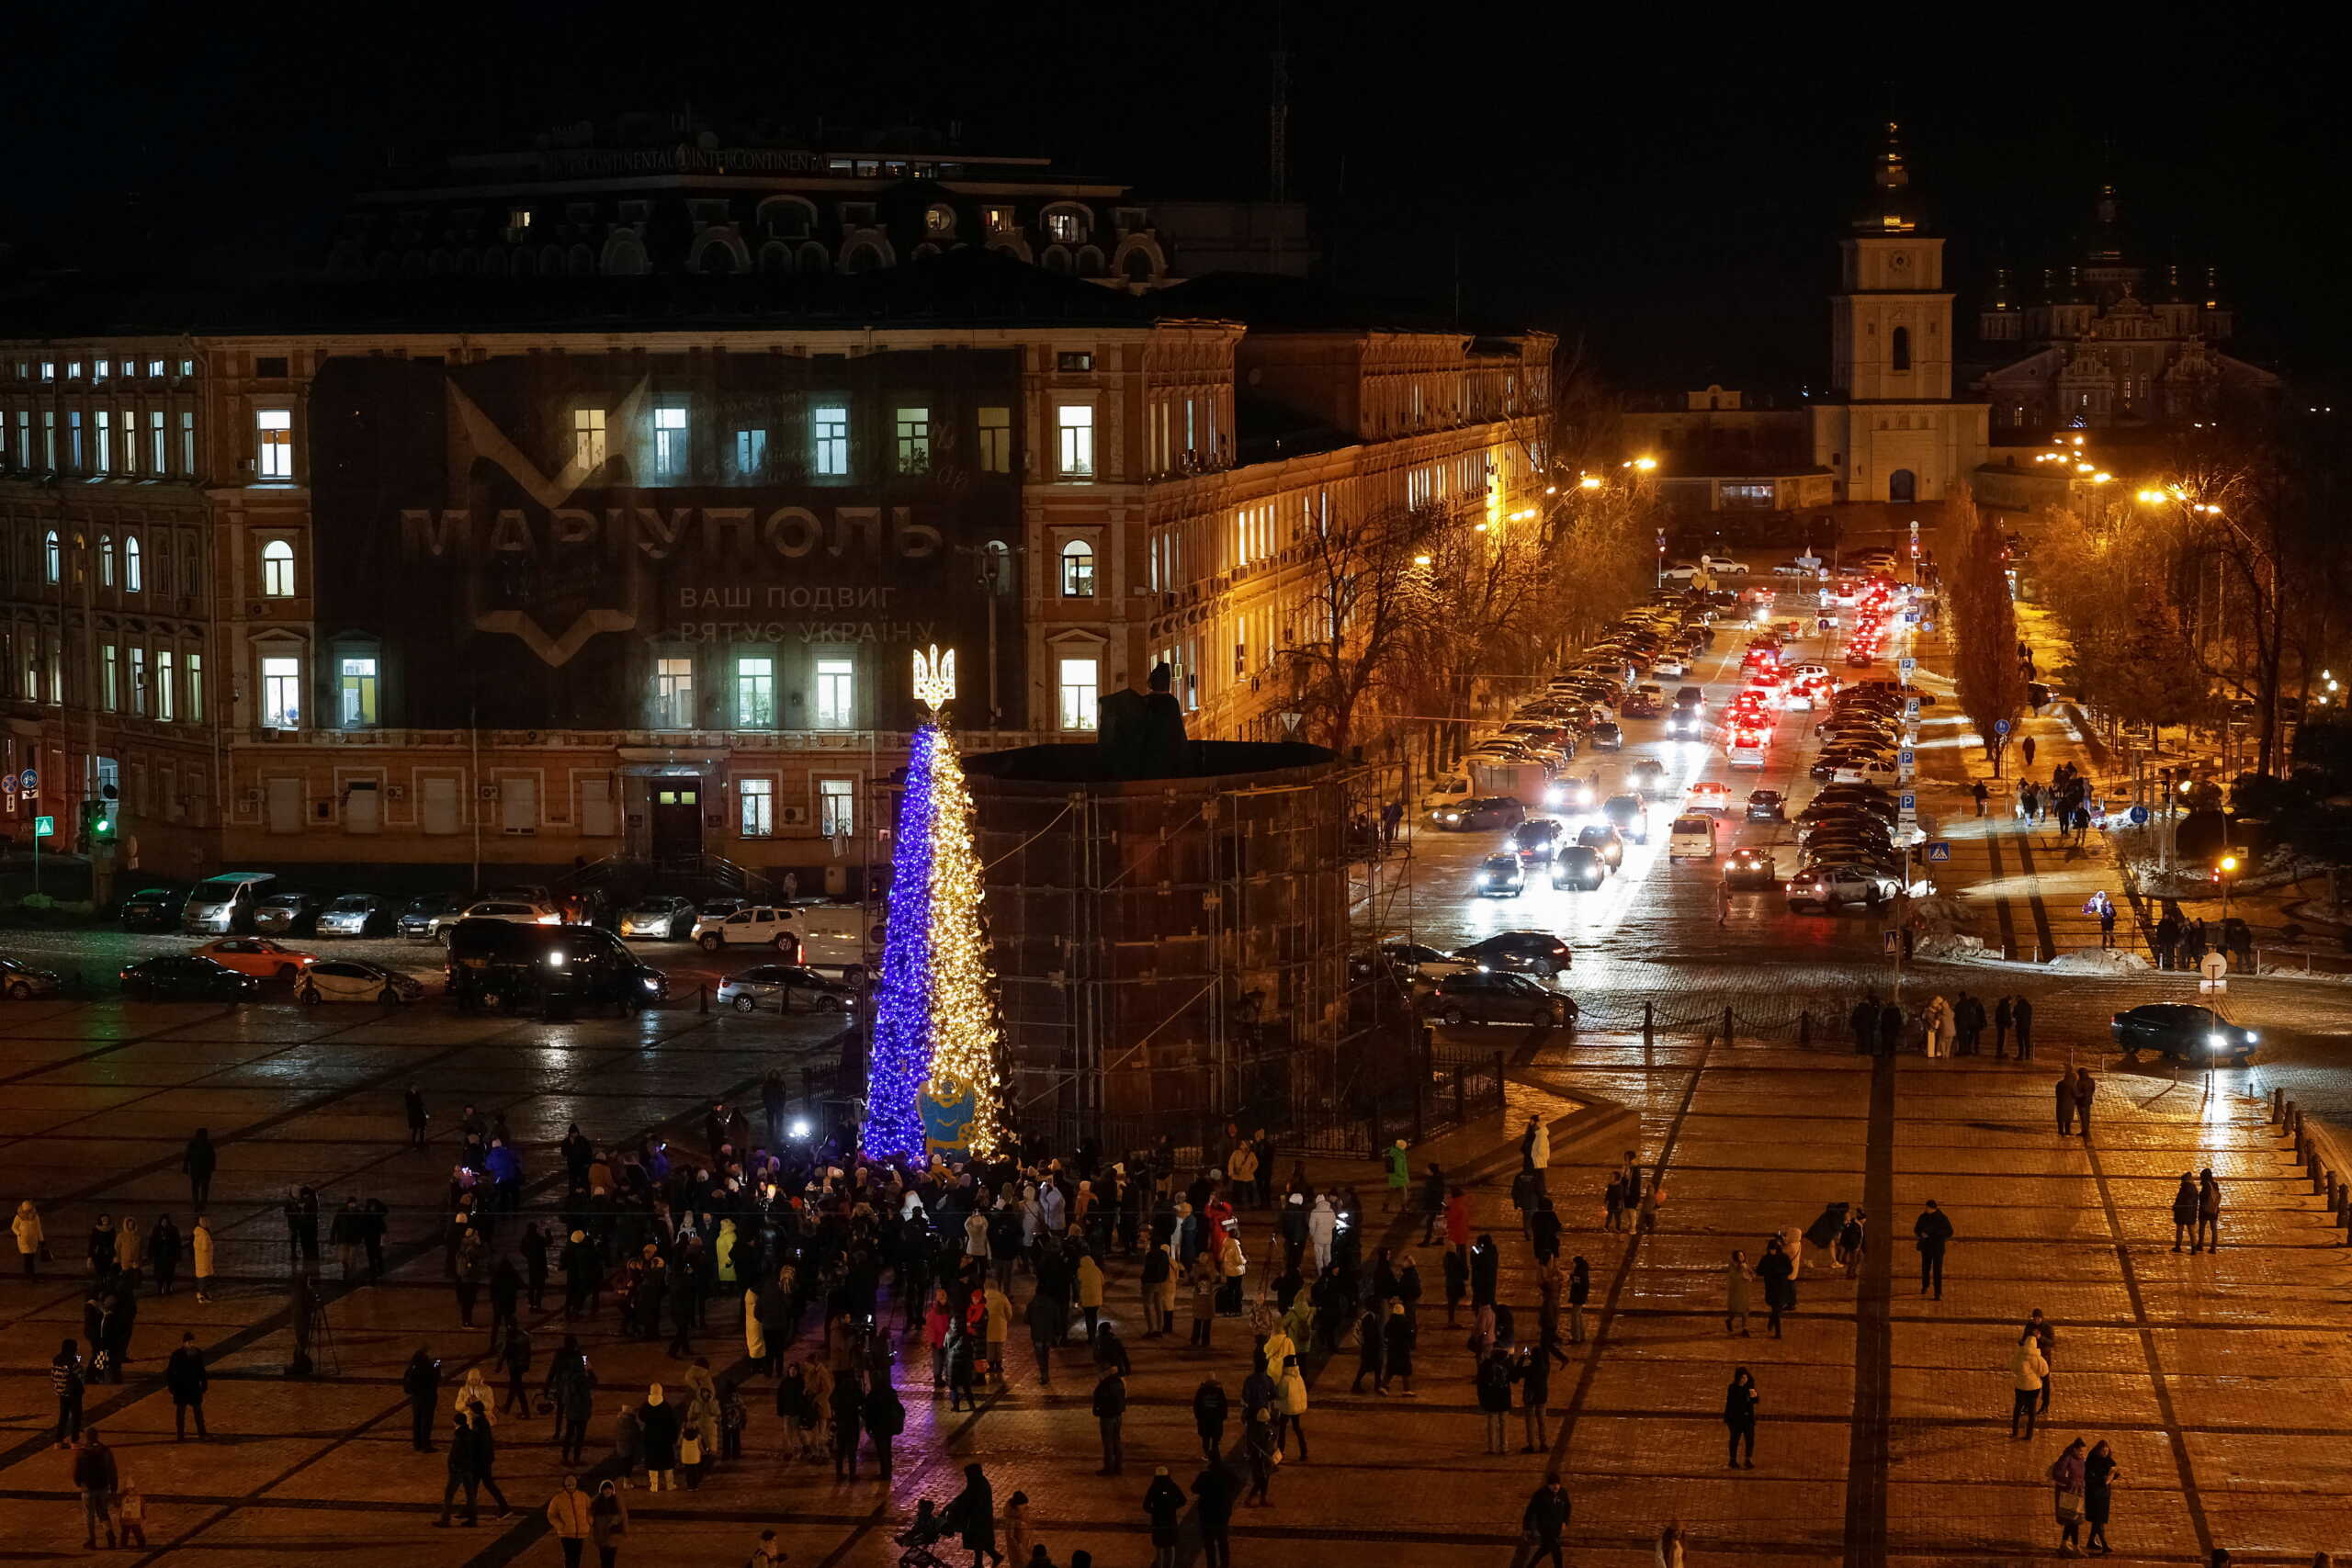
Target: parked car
(780, 984)
(1496, 999)
(356, 914)
(355, 980)
(1409, 961)
(1471, 816)
(1522, 953)
(225, 903)
(665, 916)
(510, 911)
(1579, 868)
(257, 956)
(427, 913)
(1750, 868)
(288, 914)
(1499, 876)
(2183, 1032)
(1825, 887)
(1607, 736)
(153, 909)
(754, 925)
(22, 982)
(186, 978)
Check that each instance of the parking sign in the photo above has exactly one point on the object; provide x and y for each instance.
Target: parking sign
(1910, 707)
(1906, 666)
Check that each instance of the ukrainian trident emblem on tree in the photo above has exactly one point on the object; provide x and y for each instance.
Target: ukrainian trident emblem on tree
(932, 1083)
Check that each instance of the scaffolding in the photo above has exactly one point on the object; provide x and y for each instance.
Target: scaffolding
(1173, 954)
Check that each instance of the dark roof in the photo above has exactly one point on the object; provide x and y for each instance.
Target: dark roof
(965, 287)
(1081, 763)
(1300, 304)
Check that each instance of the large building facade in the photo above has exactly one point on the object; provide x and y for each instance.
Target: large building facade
(467, 587)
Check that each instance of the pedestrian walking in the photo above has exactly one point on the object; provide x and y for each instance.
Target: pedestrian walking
(2085, 1091)
(94, 1477)
(2209, 1212)
(459, 1475)
(2027, 1370)
(972, 1513)
(1492, 1381)
(2045, 1339)
(31, 1238)
(1581, 1291)
(658, 1425)
(1544, 1521)
(1531, 1370)
(1740, 1400)
(66, 1380)
(2066, 1482)
(608, 1523)
(2065, 1103)
(569, 1521)
(414, 1105)
(1669, 1546)
(1399, 1335)
(1863, 1023)
(185, 1376)
(1778, 1269)
(1210, 1408)
(2100, 1471)
(2022, 1014)
(1738, 1276)
(421, 1380)
(1931, 1232)
(1110, 1413)
(1980, 794)
(1853, 1240)
(197, 1162)
(1400, 1176)
(2184, 1210)
(1163, 1505)
(1214, 1491)
(2004, 1015)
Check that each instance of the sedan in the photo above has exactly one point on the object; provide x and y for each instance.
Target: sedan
(1538, 837)
(1499, 876)
(187, 977)
(256, 956)
(779, 985)
(1522, 953)
(2184, 1033)
(1497, 999)
(1750, 868)
(1579, 868)
(1767, 806)
(355, 980)
(426, 914)
(1647, 701)
(513, 911)
(1604, 841)
(1472, 815)
(22, 982)
(1413, 961)
(288, 914)
(664, 917)
(153, 909)
(1607, 736)
(1630, 814)
(1826, 886)
(356, 914)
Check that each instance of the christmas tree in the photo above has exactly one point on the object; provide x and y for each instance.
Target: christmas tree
(932, 1081)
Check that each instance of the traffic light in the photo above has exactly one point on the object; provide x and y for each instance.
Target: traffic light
(97, 826)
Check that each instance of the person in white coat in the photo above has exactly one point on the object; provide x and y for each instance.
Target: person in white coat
(1538, 1145)
(1322, 1225)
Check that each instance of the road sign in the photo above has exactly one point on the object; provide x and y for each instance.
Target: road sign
(10, 783)
(1887, 941)
(1938, 849)
(2139, 817)
(1910, 707)
(1906, 757)
(2000, 727)
(1910, 618)
(44, 827)
(2213, 967)
(1906, 666)
(29, 780)
(1927, 626)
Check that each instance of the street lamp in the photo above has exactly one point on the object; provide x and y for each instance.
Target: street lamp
(2225, 872)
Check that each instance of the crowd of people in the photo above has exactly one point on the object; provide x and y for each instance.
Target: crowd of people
(1941, 1026)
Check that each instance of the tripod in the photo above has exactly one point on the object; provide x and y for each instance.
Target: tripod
(311, 1332)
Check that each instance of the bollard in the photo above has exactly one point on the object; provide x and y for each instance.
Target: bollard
(1649, 1032)
(1728, 1030)
(1804, 1027)
(702, 998)
(2319, 1172)
(2287, 1123)
(2278, 1104)
(2336, 1198)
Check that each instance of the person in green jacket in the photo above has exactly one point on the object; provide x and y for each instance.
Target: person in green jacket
(1400, 1175)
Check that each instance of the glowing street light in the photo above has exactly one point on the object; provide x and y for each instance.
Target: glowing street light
(1591, 482)
(1646, 464)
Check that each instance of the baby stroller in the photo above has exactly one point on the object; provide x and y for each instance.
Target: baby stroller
(1822, 1234)
(927, 1530)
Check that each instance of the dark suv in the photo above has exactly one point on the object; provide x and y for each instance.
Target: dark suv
(505, 967)
(1496, 999)
(1521, 953)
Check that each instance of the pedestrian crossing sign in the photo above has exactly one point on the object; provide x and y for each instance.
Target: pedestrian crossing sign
(1938, 849)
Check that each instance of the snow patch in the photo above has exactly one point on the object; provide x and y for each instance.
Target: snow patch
(2099, 961)
(1949, 945)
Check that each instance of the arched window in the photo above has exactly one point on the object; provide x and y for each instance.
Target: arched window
(1056, 259)
(52, 559)
(775, 258)
(1090, 262)
(131, 578)
(105, 560)
(814, 259)
(1902, 349)
(277, 569)
(1078, 569)
(1137, 265)
(862, 258)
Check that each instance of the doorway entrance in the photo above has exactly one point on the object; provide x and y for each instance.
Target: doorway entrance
(1901, 485)
(677, 821)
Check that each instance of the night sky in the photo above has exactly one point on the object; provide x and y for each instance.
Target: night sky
(1661, 189)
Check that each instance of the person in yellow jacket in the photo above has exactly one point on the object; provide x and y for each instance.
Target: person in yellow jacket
(1241, 1169)
(199, 1241)
(724, 1248)
(567, 1516)
(1090, 1292)
(29, 1236)
(999, 1307)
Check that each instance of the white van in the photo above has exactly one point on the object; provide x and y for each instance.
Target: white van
(1691, 838)
(838, 936)
(1452, 789)
(219, 905)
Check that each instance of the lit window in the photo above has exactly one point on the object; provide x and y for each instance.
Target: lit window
(275, 430)
(1066, 225)
(282, 693)
(72, 369)
(138, 682)
(939, 219)
(156, 456)
(674, 694)
(73, 440)
(53, 558)
(165, 683)
(995, 220)
(277, 569)
(49, 370)
(196, 688)
(100, 373)
(1078, 569)
(155, 370)
(751, 452)
(105, 560)
(669, 442)
(356, 690)
(588, 438)
(187, 369)
(48, 440)
(836, 693)
(755, 808)
(1080, 693)
(132, 575)
(829, 429)
(187, 440)
(915, 441)
(106, 442)
(996, 441)
(129, 441)
(518, 218)
(755, 694)
(836, 808)
(109, 697)
(1074, 423)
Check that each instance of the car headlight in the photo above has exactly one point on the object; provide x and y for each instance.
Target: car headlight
(2218, 1041)
(2251, 1037)
(651, 984)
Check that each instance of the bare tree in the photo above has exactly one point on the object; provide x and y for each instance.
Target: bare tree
(1987, 673)
(1363, 583)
